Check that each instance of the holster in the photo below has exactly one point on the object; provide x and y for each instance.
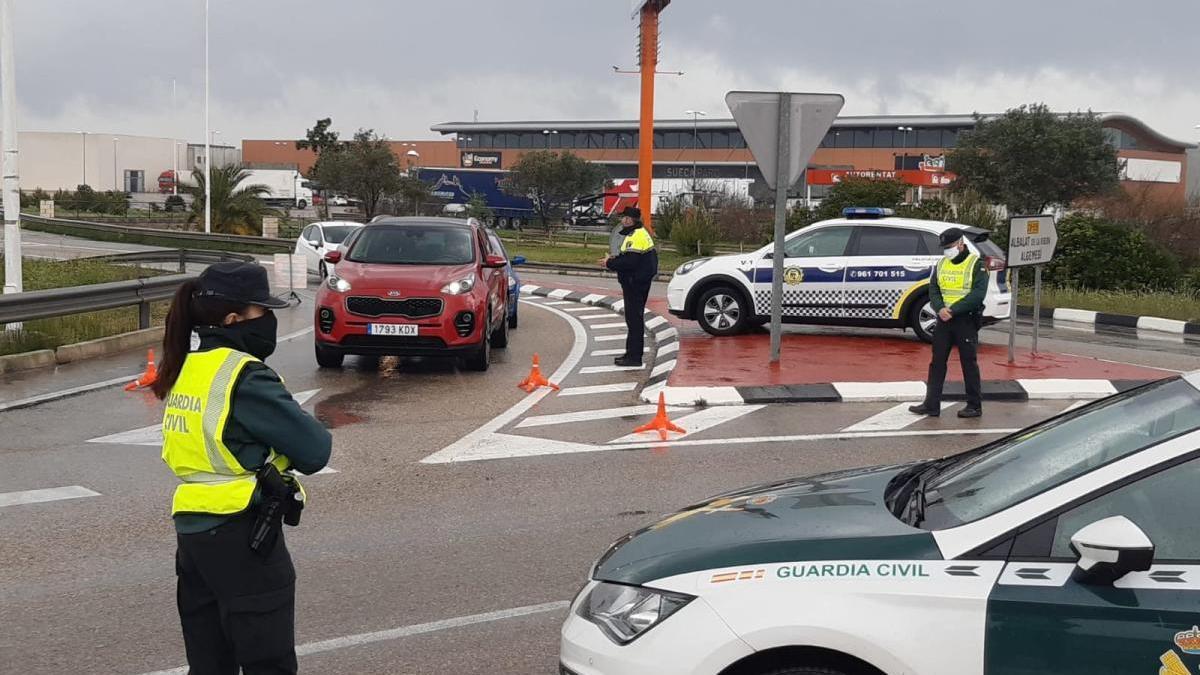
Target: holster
(280, 501)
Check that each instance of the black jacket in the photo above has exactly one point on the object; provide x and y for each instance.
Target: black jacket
(634, 268)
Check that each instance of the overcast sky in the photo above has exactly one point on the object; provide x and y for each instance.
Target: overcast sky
(399, 66)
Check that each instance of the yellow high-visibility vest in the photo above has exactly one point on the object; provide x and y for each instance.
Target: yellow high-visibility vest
(638, 241)
(955, 280)
(193, 436)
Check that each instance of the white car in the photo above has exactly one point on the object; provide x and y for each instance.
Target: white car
(866, 269)
(320, 238)
(1071, 547)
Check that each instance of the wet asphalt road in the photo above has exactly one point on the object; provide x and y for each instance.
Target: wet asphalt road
(390, 542)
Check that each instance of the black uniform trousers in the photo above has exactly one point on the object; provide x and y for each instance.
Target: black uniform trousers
(961, 332)
(237, 607)
(635, 295)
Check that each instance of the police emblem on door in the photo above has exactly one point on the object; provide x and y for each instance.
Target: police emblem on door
(793, 276)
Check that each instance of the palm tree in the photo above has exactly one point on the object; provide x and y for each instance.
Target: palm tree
(236, 208)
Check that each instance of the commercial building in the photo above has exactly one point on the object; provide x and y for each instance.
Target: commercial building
(64, 160)
(909, 148)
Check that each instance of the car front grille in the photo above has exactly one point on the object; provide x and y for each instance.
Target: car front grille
(412, 308)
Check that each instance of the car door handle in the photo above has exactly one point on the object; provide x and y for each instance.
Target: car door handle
(831, 268)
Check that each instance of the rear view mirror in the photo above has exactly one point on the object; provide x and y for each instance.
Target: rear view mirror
(1109, 549)
(333, 257)
(494, 261)
(314, 243)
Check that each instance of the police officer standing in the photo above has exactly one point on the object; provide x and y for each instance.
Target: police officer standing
(231, 433)
(636, 264)
(957, 290)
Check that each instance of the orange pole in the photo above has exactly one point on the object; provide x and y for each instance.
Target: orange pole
(649, 64)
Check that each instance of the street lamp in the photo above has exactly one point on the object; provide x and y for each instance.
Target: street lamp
(413, 156)
(547, 133)
(83, 148)
(207, 143)
(904, 145)
(116, 184)
(696, 115)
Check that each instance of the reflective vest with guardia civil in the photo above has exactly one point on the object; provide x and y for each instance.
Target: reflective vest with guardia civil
(638, 241)
(194, 424)
(954, 280)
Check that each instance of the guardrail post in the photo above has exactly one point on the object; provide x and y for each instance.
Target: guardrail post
(182, 261)
(143, 315)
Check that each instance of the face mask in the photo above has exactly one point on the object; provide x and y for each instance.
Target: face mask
(258, 335)
(951, 253)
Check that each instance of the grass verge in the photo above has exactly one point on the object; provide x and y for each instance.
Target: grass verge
(1180, 306)
(53, 333)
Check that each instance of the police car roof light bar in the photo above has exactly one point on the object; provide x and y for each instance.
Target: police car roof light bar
(867, 212)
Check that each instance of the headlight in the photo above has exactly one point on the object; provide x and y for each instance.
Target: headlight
(624, 613)
(691, 265)
(459, 287)
(336, 283)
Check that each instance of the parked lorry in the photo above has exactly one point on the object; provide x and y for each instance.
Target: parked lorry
(456, 186)
(285, 187)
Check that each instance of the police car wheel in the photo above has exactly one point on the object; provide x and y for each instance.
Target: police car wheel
(722, 311)
(922, 319)
(500, 335)
(804, 670)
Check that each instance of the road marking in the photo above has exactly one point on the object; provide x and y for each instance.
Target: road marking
(559, 303)
(699, 421)
(893, 419)
(663, 368)
(604, 314)
(299, 333)
(1125, 363)
(326, 470)
(575, 309)
(47, 495)
(599, 388)
(840, 436)
(593, 370)
(613, 352)
(409, 631)
(655, 322)
(589, 415)
(152, 435)
(608, 338)
(55, 395)
(1073, 406)
(485, 439)
(81, 248)
(609, 325)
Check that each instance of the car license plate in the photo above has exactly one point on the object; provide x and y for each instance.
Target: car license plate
(398, 329)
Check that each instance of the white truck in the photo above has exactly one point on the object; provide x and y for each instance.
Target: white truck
(285, 187)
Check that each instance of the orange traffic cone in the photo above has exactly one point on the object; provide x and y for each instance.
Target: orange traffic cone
(660, 423)
(147, 378)
(536, 379)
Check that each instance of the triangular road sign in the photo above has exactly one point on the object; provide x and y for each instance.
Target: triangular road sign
(757, 116)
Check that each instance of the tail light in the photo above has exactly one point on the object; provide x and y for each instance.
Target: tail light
(995, 263)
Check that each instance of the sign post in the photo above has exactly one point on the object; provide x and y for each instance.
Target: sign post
(1031, 243)
(782, 131)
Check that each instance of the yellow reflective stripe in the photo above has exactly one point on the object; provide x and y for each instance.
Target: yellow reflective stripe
(955, 280)
(638, 241)
(225, 498)
(904, 298)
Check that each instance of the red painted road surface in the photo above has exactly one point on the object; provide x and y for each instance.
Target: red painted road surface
(706, 361)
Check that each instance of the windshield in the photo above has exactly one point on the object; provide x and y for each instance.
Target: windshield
(1016, 468)
(413, 245)
(336, 234)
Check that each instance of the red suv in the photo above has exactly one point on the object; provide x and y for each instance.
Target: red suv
(414, 287)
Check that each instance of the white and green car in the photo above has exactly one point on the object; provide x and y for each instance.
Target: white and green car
(1072, 547)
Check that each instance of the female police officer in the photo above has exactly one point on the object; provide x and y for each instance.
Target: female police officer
(229, 429)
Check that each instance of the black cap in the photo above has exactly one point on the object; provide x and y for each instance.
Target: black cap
(632, 211)
(238, 282)
(950, 236)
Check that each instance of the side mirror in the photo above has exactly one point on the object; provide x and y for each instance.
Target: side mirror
(518, 260)
(1109, 549)
(333, 257)
(495, 261)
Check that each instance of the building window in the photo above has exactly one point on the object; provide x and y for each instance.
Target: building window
(736, 140)
(864, 138)
(884, 138)
(719, 139)
(827, 142)
(949, 138)
(929, 138)
(843, 138)
(566, 139)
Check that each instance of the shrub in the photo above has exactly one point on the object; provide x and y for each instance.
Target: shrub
(670, 212)
(745, 225)
(695, 233)
(1098, 254)
(175, 203)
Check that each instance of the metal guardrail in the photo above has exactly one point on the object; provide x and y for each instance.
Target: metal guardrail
(161, 234)
(182, 256)
(19, 307)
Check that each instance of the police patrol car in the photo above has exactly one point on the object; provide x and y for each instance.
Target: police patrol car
(1072, 547)
(865, 269)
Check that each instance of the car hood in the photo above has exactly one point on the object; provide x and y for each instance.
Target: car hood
(408, 279)
(835, 516)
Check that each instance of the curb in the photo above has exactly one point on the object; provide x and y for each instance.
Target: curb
(105, 346)
(27, 360)
(1141, 323)
(666, 338)
(569, 270)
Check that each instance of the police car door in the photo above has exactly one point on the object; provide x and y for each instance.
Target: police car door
(1041, 620)
(813, 274)
(885, 266)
